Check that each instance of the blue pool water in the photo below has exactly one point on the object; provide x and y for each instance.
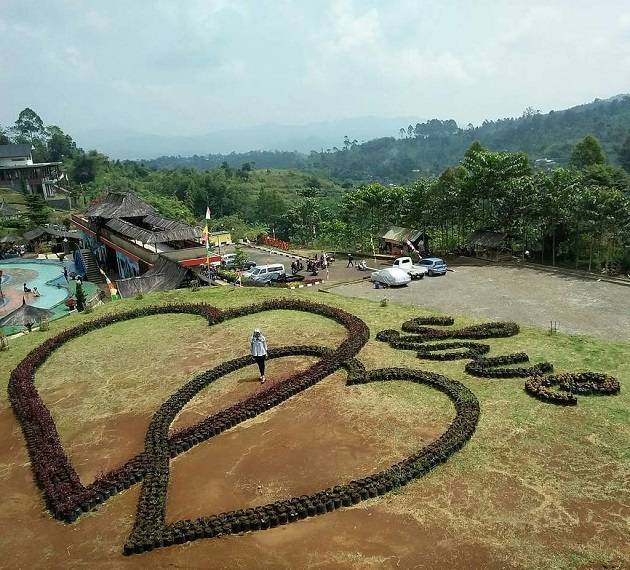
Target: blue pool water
(45, 275)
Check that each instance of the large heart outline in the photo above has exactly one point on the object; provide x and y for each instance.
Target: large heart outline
(67, 498)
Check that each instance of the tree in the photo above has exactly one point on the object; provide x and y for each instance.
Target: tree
(624, 154)
(80, 295)
(84, 167)
(37, 211)
(29, 127)
(59, 144)
(4, 137)
(587, 152)
(240, 257)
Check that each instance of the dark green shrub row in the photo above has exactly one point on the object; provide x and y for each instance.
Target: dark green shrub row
(423, 334)
(488, 367)
(582, 383)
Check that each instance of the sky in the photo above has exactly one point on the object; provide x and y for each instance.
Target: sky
(189, 67)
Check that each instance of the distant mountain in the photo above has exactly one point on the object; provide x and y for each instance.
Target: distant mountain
(125, 144)
(436, 145)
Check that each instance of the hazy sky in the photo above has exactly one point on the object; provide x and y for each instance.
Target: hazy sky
(191, 66)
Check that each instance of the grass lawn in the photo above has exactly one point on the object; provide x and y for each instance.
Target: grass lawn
(538, 486)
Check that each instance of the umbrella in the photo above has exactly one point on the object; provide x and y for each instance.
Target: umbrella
(26, 314)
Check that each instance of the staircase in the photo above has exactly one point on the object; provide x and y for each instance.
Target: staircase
(92, 272)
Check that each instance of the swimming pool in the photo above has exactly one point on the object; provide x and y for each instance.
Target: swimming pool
(47, 276)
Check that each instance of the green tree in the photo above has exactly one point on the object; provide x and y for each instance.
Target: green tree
(587, 152)
(29, 127)
(80, 295)
(37, 211)
(85, 167)
(4, 136)
(59, 144)
(624, 154)
(240, 257)
(270, 207)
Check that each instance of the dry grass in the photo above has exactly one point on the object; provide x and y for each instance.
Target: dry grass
(538, 485)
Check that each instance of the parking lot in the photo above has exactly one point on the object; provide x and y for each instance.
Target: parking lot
(527, 296)
(522, 294)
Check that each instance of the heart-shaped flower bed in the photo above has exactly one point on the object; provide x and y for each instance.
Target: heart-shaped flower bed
(67, 498)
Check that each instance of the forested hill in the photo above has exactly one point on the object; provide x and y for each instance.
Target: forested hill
(428, 148)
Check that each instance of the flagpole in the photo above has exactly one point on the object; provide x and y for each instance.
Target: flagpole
(207, 236)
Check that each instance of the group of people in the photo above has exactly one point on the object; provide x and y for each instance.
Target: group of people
(312, 265)
(34, 291)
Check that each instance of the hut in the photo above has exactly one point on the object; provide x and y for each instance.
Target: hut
(403, 241)
(24, 316)
(59, 240)
(490, 245)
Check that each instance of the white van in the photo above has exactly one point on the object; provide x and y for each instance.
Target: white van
(265, 273)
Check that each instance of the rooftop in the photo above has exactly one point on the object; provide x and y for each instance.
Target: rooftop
(119, 205)
(15, 150)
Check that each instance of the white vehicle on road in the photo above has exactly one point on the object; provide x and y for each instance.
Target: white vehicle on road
(391, 277)
(415, 271)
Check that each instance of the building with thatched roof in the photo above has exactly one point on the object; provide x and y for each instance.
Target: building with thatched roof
(24, 315)
(127, 237)
(402, 241)
(490, 244)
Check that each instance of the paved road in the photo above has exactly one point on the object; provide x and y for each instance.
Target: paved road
(524, 295)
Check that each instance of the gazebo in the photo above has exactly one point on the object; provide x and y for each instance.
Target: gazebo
(24, 316)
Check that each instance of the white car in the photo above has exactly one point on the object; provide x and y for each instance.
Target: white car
(415, 271)
(391, 277)
(265, 273)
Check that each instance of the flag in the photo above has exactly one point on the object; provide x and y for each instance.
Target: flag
(206, 237)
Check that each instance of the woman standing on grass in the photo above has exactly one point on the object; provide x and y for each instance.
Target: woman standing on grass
(259, 351)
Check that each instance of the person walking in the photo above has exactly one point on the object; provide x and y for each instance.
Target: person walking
(259, 351)
(65, 274)
(325, 267)
(350, 261)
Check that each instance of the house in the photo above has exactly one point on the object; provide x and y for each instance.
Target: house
(19, 172)
(220, 238)
(403, 241)
(127, 237)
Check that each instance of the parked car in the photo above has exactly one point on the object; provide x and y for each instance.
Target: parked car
(264, 273)
(229, 262)
(415, 271)
(434, 265)
(390, 277)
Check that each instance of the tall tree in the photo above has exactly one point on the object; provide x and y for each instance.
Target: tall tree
(59, 144)
(587, 152)
(29, 127)
(37, 211)
(624, 154)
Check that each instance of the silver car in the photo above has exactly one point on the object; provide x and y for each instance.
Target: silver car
(391, 277)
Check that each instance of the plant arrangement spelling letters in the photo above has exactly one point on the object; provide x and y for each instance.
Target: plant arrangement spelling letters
(537, 385)
(67, 498)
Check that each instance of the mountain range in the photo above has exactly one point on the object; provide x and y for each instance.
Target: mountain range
(126, 144)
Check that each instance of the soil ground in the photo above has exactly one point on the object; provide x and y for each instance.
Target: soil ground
(537, 486)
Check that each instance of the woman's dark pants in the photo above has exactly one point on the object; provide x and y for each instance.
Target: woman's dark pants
(260, 360)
